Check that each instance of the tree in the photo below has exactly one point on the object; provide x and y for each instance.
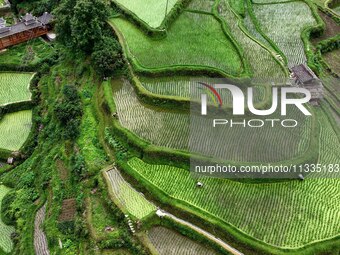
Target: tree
(107, 56)
(64, 14)
(69, 111)
(80, 23)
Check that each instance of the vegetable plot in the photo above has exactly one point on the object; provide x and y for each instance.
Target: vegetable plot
(156, 10)
(245, 144)
(194, 41)
(6, 243)
(127, 197)
(14, 129)
(305, 212)
(14, 87)
(169, 242)
(284, 24)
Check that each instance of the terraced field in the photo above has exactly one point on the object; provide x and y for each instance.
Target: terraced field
(305, 212)
(14, 130)
(168, 242)
(40, 241)
(156, 10)
(333, 60)
(183, 47)
(329, 142)
(200, 5)
(188, 88)
(169, 129)
(6, 243)
(336, 10)
(261, 59)
(284, 23)
(14, 87)
(133, 202)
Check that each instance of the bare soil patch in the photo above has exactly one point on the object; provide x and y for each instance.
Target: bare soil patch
(68, 210)
(332, 29)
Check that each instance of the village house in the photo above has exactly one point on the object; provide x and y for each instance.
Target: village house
(304, 77)
(28, 28)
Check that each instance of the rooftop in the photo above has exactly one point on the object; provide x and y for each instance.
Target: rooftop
(45, 18)
(303, 73)
(28, 17)
(2, 22)
(27, 24)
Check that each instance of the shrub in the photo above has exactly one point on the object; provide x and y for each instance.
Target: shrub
(107, 57)
(68, 111)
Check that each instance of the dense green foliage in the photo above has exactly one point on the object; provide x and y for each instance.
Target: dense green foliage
(27, 54)
(80, 23)
(68, 111)
(107, 57)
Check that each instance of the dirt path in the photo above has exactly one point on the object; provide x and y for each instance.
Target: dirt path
(211, 237)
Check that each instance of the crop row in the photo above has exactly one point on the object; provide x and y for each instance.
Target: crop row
(168, 242)
(304, 211)
(329, 150)
(189, 88)
(40, 241)
(200, 5)
(129, 198)
(245, 144)
(284, 24)
(156, 10)
(6, 243)
(14, 129)
(189, 43)
(261, 61)
(14, 87)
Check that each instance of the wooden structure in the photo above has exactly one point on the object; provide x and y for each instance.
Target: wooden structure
(28, 28)
(304, 77)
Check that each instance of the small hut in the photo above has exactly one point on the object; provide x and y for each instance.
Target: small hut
(28, 19)
(304, 77)
(10, 161)
(28, 28)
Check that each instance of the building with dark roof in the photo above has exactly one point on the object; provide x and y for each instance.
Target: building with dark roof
(28, 28)
(304, 77)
